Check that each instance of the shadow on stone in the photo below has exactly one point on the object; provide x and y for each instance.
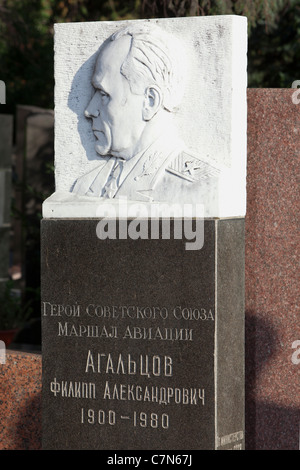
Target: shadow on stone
(28, 430)
(268, 425)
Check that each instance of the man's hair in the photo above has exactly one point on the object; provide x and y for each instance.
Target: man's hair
(154, 58)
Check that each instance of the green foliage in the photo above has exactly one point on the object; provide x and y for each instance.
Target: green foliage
(255, 10)
(26, 58)
(274, 52)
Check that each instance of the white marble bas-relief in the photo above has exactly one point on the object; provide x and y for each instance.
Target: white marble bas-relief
(140, 101)
(139, 83)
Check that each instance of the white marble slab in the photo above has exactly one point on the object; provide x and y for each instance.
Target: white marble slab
(193, 154)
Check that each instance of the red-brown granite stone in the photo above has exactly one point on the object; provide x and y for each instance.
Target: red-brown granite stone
(20, 401)
(272, 272)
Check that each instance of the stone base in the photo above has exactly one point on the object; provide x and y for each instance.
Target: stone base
(20, 403)
(143, 340)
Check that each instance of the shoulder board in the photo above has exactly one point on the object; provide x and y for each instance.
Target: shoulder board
(191, 168)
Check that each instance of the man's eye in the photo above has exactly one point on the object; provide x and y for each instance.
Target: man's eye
(103, 94)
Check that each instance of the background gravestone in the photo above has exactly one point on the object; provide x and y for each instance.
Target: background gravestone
(33, 180)
(6, 131)
(143, 339)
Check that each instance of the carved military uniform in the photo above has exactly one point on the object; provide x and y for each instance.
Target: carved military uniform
(161, 173)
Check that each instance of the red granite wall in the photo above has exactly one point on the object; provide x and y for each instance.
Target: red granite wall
(272, 300)
(272, 270)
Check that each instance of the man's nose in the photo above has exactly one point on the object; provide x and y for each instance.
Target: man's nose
(92, 109)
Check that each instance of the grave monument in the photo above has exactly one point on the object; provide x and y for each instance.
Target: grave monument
(143, 239)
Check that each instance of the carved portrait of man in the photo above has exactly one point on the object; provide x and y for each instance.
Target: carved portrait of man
(139, 79)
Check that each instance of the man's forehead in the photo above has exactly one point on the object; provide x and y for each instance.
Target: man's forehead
(110, 59)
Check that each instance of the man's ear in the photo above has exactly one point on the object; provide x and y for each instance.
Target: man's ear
(152, 102)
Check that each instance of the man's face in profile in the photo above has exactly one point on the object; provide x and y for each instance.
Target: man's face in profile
(115, 111)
